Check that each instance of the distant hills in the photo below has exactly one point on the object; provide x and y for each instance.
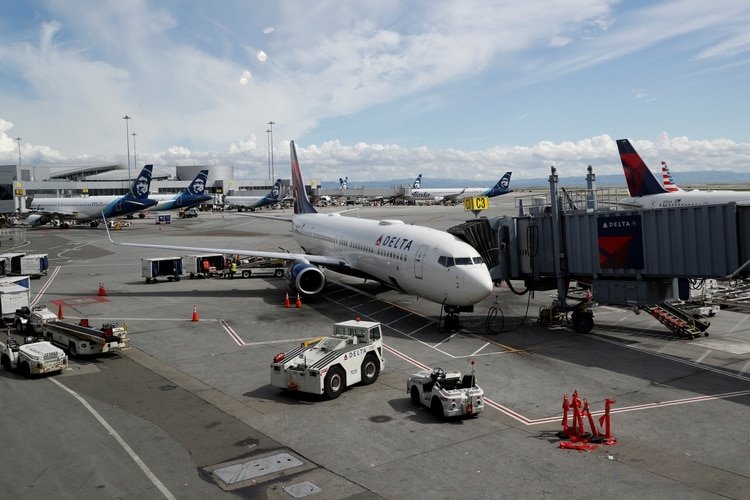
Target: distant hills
(717, 179)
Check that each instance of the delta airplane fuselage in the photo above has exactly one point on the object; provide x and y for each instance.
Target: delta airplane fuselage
(418, 260)
(675, 199)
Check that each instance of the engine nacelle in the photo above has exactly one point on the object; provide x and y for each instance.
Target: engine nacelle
(35, 220)
(307, 278)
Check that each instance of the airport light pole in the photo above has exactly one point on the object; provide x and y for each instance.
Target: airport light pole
(18, 140)
(127, 139)
(135, 157)
(268, 148)
(270, 128)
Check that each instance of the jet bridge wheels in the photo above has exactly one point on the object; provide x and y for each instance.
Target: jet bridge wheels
(582, 321)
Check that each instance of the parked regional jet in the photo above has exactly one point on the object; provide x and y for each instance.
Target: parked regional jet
(253, 202)
(193, 195)
(91, 208)
(418, 260)
(450, 195)
(647, 192)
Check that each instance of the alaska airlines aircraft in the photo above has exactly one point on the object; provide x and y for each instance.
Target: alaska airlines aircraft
(343, 183)
(193, 195)
(91, 208)
(647, 192)
(449, 195)
(418, 260)
(253, 202)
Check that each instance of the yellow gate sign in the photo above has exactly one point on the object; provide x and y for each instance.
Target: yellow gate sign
(476, 203)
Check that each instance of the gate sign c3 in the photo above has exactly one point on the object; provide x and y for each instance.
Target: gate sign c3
(476, 203)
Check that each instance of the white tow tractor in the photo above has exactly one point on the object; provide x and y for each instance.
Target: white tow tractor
(32, 320)
(447, 394)
(33, 357)
(328, 365)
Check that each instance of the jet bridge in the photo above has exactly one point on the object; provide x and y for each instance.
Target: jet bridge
(627, 257)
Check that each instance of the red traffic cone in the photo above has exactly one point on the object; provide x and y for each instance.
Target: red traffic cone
(195, 313)
(298, 303)
(287, 304)
(59, 311)
(102, 291)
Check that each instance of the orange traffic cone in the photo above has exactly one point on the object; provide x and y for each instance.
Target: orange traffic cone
(102, 291)
(298, 303)
(59, 311)
(195, 313)
(287, 304)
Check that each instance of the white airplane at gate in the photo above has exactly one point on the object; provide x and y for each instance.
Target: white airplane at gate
(418, 260)
(448, 195)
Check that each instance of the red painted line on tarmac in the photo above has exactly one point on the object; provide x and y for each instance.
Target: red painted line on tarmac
(94, 299)
(232, 333)
(405, 357)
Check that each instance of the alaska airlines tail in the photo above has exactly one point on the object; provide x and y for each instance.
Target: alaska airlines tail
(302, 203)
(343, 183)
(502, 186)
(641, 181)
(417, 182)
(198, 186)
(667, 180)
(274, 196)
(141, 185)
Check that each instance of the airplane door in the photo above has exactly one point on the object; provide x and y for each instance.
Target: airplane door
(419, 261)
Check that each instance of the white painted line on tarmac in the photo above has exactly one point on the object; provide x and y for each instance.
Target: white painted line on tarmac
(449, 337)
(480, 349)
(703, 356)
(745, 368)
(237, 339)
(152, 477)
(739, 323)
(51, 278)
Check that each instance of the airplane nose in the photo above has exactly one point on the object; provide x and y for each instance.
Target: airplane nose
(477, 286)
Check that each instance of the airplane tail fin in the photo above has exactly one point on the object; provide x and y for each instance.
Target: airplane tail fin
(198, 186)
(141, 186)
(417, 182)
(641, 181)
(343, 183)
(274, 195)
(667, 180)
(502, 186)
(302, 203)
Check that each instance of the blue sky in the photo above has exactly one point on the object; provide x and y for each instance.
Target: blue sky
(378, 89)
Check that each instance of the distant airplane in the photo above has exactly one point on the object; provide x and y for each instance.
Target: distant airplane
(193, 195)
(253, 202)
(647, 192)
(418, 260)
(449, 195)
(667, 180)
(91, 208)
(343, 183)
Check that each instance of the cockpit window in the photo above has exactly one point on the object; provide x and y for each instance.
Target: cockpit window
(458, 261)
(463, 261)
(478, 260)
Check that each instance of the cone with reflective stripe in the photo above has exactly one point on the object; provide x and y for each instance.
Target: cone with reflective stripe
(195, 313)
(102, 291)
(298, 303)
(287, 303)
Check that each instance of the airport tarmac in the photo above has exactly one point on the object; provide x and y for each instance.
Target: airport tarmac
(188, 412)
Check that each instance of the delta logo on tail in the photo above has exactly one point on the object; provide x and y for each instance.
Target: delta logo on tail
(641, 181)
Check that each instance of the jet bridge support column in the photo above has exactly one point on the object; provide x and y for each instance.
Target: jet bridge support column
(562, 287)
(591, 204)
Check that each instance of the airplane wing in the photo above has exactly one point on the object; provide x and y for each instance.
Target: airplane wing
(314, 259)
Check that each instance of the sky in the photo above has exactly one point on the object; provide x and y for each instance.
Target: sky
(377, 89)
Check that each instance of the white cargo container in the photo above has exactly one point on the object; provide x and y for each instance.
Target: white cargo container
(14, 294)
(169, 267)
(34, 265)
(11, 262)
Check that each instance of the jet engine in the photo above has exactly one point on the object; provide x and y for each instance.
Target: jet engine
(307, 278)
(35, 220)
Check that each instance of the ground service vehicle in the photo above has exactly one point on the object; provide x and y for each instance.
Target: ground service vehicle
(32, 320)
(33, 357)
(188, 213)
(171, 267)
(205, 265)
(328, 365)
(260, 267)
(81, 339)
(447, 394)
